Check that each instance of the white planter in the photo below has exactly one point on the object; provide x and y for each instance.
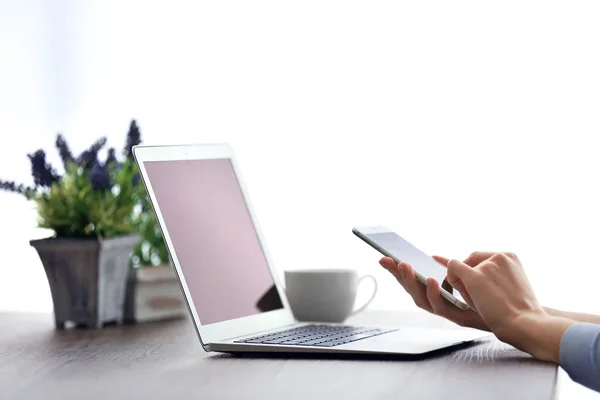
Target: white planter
(154, 294)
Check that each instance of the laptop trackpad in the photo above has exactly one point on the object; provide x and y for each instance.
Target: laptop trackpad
(415, 340)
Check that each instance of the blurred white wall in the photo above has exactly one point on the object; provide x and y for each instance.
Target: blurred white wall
(466, 125)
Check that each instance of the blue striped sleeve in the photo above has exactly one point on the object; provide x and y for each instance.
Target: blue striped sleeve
(580, 354)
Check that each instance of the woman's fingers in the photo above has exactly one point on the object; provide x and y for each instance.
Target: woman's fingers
(405, 275)
(441, 260)
(392, 267)
(386, 262)
(439, 305)
(416, 289)
(478, 257)
(456, 283)
(451, 279)
(429, 298)
(468, 300)
(445, 309)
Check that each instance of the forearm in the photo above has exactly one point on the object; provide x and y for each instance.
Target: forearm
(572, 344)
(538, 334)
(579, 317)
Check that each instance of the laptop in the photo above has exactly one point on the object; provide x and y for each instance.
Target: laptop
(232, 289)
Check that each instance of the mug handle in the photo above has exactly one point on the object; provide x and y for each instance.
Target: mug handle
(362, 278)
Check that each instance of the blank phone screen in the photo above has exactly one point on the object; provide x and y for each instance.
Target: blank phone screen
(404, 251)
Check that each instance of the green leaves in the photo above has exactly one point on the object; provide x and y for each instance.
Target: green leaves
(73, 208)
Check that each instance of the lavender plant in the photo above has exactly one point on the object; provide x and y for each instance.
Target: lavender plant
(94, 198)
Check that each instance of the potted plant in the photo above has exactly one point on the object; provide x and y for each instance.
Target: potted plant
(91, 209)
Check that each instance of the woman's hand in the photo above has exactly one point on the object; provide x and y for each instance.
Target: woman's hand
(501, 297)
(429, 297)
(505, 300)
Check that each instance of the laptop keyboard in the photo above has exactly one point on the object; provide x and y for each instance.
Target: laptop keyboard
(317, 335)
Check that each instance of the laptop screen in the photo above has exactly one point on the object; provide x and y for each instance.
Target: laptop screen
(214, 238)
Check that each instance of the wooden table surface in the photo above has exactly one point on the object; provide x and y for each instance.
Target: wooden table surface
(165, 360)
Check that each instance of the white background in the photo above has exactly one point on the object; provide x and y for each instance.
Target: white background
(465, 125)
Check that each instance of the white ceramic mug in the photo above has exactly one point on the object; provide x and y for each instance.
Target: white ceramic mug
(325, 295)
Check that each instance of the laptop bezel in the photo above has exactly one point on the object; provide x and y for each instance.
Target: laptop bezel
(226, 330)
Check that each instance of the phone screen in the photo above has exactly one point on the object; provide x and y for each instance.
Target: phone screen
(404, 251)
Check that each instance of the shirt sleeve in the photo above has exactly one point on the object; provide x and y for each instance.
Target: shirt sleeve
(580, 354)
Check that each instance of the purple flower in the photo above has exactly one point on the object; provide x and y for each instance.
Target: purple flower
(64, 151)
(89, 158)
(99, 178)
(136, 179)
(43, 173)
(11, 186)
(86, 159)
(110, 158)
(133, 138)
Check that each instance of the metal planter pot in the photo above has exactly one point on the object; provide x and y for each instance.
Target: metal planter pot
(87, 278)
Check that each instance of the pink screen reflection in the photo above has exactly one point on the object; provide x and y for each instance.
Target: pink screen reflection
(214, 238)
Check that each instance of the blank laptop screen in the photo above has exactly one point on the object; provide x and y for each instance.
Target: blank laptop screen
(213, 238)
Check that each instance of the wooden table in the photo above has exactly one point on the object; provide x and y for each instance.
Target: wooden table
(165, 360)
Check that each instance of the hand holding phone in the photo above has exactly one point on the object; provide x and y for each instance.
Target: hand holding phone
(390, 244)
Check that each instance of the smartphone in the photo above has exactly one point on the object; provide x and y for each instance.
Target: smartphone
(390, 244)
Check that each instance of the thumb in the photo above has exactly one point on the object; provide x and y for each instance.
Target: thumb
(459, 269)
